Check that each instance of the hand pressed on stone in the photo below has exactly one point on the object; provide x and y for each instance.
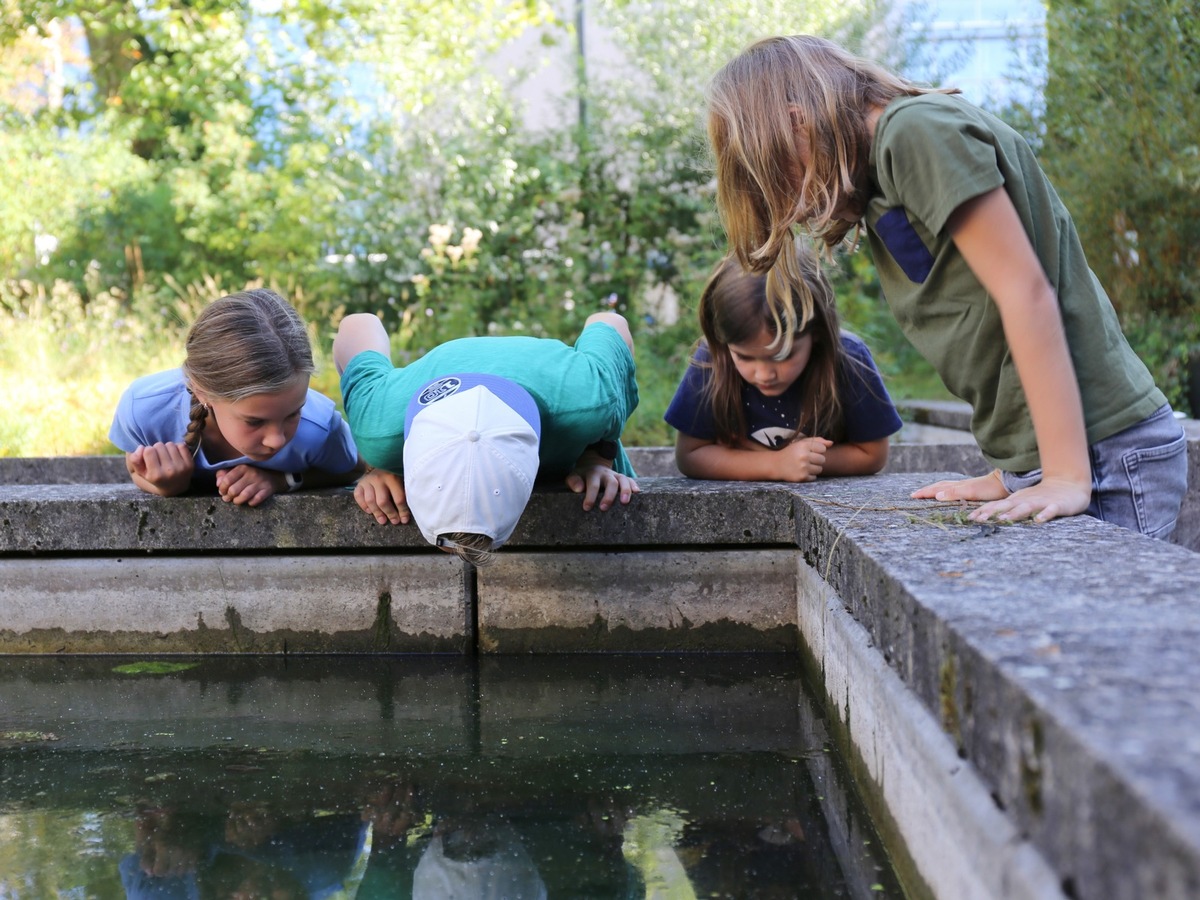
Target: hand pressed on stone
(248, 485)
(599, 483)
(982, 487)
(380, 494)
(1051, 498)
(163, 468)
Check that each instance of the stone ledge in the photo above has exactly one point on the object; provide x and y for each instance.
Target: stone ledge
(952, 414)
(117, 519)
(235, 604)
(715, 600)
(1060, 660)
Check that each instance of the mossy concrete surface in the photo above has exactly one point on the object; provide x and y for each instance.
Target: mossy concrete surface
(1059, 661)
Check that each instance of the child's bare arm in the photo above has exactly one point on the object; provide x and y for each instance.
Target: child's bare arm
(799, 461)
(357, 333)
(617, 321)
(856, 458)
(989, 234)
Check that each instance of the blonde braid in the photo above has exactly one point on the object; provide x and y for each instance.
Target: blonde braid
(197, 419)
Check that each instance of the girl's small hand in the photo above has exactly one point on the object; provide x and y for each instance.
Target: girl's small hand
(1048, 499)
(982, 487)
(249, 485)
(381, 494)
(803, 460)
(599, 481)
(166, 468)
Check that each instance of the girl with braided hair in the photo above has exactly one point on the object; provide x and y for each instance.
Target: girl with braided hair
(238, 414)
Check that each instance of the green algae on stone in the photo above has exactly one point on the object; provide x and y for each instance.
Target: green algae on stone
(27, 737)
(154, 667)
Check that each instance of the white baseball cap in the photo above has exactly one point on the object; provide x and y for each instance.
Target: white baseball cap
(505, 872)
(470, 455)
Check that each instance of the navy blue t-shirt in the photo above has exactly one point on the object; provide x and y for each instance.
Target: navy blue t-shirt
(771, 421)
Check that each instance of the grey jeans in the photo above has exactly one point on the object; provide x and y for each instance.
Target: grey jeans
(1139, 475)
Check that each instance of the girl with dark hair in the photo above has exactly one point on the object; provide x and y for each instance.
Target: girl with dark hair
(774, 373)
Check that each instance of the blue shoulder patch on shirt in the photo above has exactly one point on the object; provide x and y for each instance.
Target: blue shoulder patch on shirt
(904, 244)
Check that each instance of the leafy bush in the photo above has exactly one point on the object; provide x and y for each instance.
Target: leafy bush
(223, 150)
(1120, 143)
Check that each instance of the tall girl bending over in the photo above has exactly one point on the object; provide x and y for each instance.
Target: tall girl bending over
(775, 391)
(978, 260)
(239, 413)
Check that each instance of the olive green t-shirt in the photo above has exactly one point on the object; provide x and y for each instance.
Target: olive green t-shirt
(583, 393)
(930, 155)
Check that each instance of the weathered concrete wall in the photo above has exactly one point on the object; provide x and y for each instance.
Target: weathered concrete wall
(1056, 658)
(936, 439)
(695, 600)
(107, 568)
(235, 604)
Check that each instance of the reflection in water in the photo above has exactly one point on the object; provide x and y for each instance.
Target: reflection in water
(604, 777)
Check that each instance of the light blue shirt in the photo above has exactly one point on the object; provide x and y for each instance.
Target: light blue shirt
(158, 407)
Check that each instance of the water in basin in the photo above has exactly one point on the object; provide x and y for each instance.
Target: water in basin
(567, 776)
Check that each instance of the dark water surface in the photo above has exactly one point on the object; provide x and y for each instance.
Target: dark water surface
(573, 777)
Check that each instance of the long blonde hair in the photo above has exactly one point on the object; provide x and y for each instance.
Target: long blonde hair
(251, 342)
(788, 123)
(736, 306)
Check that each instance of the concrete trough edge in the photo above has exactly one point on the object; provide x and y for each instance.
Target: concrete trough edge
(1083, 748)
(954, 836)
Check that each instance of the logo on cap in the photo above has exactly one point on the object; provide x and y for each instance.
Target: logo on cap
(439, 390)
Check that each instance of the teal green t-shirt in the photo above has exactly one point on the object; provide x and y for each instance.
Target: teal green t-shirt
(931, 154)
(583, 393)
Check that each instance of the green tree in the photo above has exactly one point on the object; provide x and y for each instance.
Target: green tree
(1121, 143)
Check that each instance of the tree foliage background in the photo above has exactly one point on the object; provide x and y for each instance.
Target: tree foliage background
(376, 157)
(219, 139)
(1121, 141)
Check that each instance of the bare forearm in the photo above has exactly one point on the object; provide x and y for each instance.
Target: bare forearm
(989, 234)
(359, 332)
(718, 462)
(1047, 375)
(865, 458)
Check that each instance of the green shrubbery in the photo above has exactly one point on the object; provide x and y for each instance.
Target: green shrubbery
(212, 149)
(431, 203)
(1121, 140)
